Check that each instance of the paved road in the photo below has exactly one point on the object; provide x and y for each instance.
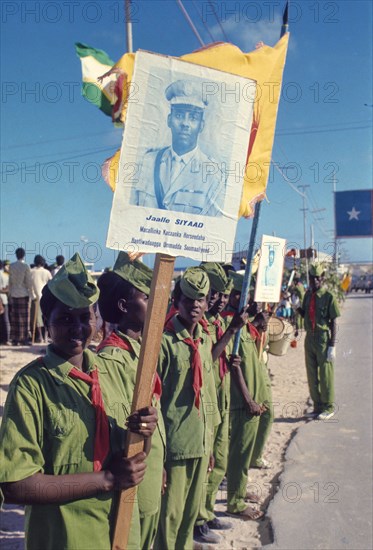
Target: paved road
(325, 495)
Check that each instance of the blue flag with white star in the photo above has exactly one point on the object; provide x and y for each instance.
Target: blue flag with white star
(353, 213)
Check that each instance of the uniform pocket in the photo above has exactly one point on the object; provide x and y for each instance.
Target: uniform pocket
(63, 433)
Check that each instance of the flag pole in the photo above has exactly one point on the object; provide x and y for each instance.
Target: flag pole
(254, 227)
(129, 41)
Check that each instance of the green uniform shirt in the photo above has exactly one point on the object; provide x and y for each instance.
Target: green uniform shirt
(299, 290)
(149, 490)
(326, 309)
(222, 386)
(49, 427)
(189, 430)
(253, 373)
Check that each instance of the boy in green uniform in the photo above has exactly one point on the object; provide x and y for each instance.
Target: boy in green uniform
(190, 411)
(63, 429)
(250, 401)
(123, 300)
(221, 331)
(320, 311)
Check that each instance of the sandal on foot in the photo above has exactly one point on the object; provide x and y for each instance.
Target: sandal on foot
(251, 497)
(263, 464)
(248, 514)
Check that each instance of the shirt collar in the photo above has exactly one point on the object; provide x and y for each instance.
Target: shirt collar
(59, 368)
(135, 344)
(182, 333)
(186, 157)
(319, 292)
(211, 318)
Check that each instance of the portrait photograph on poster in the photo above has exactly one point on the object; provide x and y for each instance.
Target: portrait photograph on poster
(183, 159)
(270, 270)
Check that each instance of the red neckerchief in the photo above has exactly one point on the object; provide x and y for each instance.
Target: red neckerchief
(102, 443)
(172, 311)
(223, 367)
(250, 327)
(312, 310)
(117, 342)
(196, 363)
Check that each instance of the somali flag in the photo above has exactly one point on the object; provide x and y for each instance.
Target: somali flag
(353, 213)
(96, 63)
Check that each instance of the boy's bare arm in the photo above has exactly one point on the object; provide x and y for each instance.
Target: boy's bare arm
(39, 488)
(235, 367)
(238, 321)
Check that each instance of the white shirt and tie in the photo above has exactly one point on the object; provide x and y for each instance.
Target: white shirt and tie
(171, 167)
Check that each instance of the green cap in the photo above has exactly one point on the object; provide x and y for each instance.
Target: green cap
(135, 272)
(73, 285)
(216, 274)
(317, 270)
(195, 283)
(229, 286)
(237, 280)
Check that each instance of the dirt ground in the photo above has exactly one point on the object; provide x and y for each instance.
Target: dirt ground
(290, 397)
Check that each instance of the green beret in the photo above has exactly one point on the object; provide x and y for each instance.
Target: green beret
(135, 272)
(216, 274)
(195, 283)
(73, 285)
(317, 270)
(186, 92)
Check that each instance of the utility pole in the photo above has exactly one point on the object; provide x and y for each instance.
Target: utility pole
(335, 255)
(304, 210)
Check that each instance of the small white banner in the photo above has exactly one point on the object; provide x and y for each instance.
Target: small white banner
(271, 266)
(183, 159)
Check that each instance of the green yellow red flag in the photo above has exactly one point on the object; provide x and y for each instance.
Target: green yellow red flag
(265, 65)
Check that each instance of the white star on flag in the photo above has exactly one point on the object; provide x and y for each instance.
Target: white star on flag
(354, 214)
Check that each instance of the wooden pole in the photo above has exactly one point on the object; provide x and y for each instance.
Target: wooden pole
(262, 336)
(142, 395)
(36, 313)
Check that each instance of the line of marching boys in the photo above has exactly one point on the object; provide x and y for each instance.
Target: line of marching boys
(67, 413)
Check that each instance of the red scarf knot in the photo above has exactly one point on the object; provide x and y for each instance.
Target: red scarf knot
(196, 363)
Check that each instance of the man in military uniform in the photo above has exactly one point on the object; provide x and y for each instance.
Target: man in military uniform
(182, 177)
(320, 311)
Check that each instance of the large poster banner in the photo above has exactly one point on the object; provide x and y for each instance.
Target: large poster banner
(271, 266)
(183, 159)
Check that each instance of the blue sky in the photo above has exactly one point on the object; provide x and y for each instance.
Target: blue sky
(53, 142)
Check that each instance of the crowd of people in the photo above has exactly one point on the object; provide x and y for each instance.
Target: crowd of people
(68, 412)
(21, 286)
